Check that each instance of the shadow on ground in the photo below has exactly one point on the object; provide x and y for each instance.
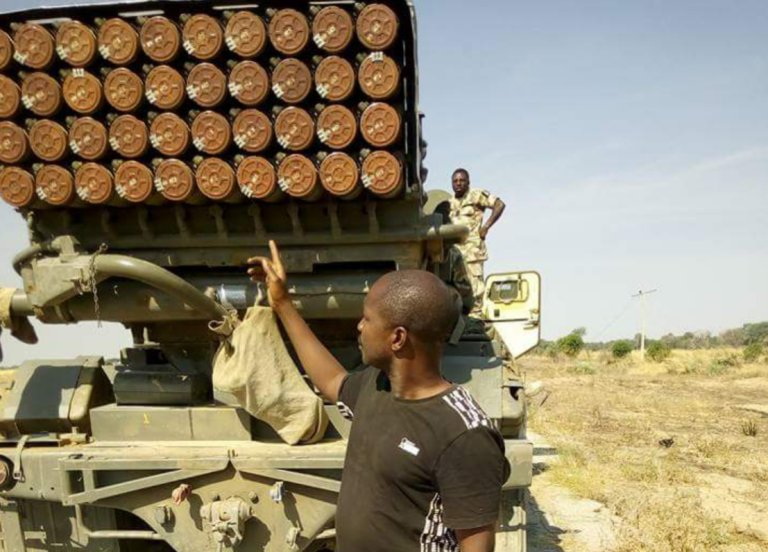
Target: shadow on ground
(542, 536)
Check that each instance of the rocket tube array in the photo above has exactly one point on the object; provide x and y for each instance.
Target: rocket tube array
(232, 106)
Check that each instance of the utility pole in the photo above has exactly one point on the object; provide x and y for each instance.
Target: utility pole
(642, 294)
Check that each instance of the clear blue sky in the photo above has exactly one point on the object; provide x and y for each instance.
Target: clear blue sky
(628, 139)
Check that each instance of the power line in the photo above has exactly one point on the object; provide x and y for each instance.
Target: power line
(614, 320)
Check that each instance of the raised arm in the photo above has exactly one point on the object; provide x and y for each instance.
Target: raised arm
(321, 366)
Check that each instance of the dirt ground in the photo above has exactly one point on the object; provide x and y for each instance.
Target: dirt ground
(668, 456)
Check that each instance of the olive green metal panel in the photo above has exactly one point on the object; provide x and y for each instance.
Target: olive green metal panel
(162, 423)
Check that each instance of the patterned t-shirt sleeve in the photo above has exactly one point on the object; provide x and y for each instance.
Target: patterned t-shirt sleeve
(486, 199)
(350, 391)
(470, 473)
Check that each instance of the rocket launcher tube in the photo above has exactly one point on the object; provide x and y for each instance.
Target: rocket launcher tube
(160, 39)
(291, 81)
(203, 37)
(49, 140)
(118, 41)
(336, 126)
(340, 176)
(35, 46)
(246, 34)
(170, 134)
(41, 94)
(124, 89)
(248, 83)
(334, 79)
(206, 85)
(10, 98)
(6, 50)
(333, 29)
(288, 31)
(76, 44)
(83, 92)
(377, 26)
(257, 179)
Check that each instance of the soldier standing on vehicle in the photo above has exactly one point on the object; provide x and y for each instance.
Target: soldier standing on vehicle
(424, 465)
(468, 206)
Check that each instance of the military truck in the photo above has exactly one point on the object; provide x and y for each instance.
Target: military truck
(153, 147)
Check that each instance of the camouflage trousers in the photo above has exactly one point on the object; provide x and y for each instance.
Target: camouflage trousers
(469, 279)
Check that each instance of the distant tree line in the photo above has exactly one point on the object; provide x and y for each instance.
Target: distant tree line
(752, 337)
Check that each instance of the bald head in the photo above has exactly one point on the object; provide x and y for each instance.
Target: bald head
(418, 301)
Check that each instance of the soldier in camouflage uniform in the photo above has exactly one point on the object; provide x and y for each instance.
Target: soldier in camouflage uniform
(468, 206)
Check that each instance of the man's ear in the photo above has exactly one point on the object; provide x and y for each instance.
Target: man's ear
(399, 338)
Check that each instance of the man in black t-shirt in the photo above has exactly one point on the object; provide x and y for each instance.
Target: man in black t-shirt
(424, 466)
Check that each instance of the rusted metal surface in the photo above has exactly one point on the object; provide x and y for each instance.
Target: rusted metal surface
(335, 79)
(333, 29)
(336, 126)
(49, 140)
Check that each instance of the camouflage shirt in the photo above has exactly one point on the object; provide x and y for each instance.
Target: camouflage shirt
(469, 211)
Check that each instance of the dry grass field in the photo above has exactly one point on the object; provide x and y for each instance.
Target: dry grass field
(674, 449)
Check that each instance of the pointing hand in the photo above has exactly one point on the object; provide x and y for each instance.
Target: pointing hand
(272, 272)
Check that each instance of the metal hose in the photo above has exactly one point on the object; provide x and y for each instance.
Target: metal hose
(122, 266)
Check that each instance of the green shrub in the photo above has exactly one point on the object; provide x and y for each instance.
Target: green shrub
(551, 350)
(658, 351)
(753, 352)
(722, 364)
(583, 369)
(620, 349)
(571, 345)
